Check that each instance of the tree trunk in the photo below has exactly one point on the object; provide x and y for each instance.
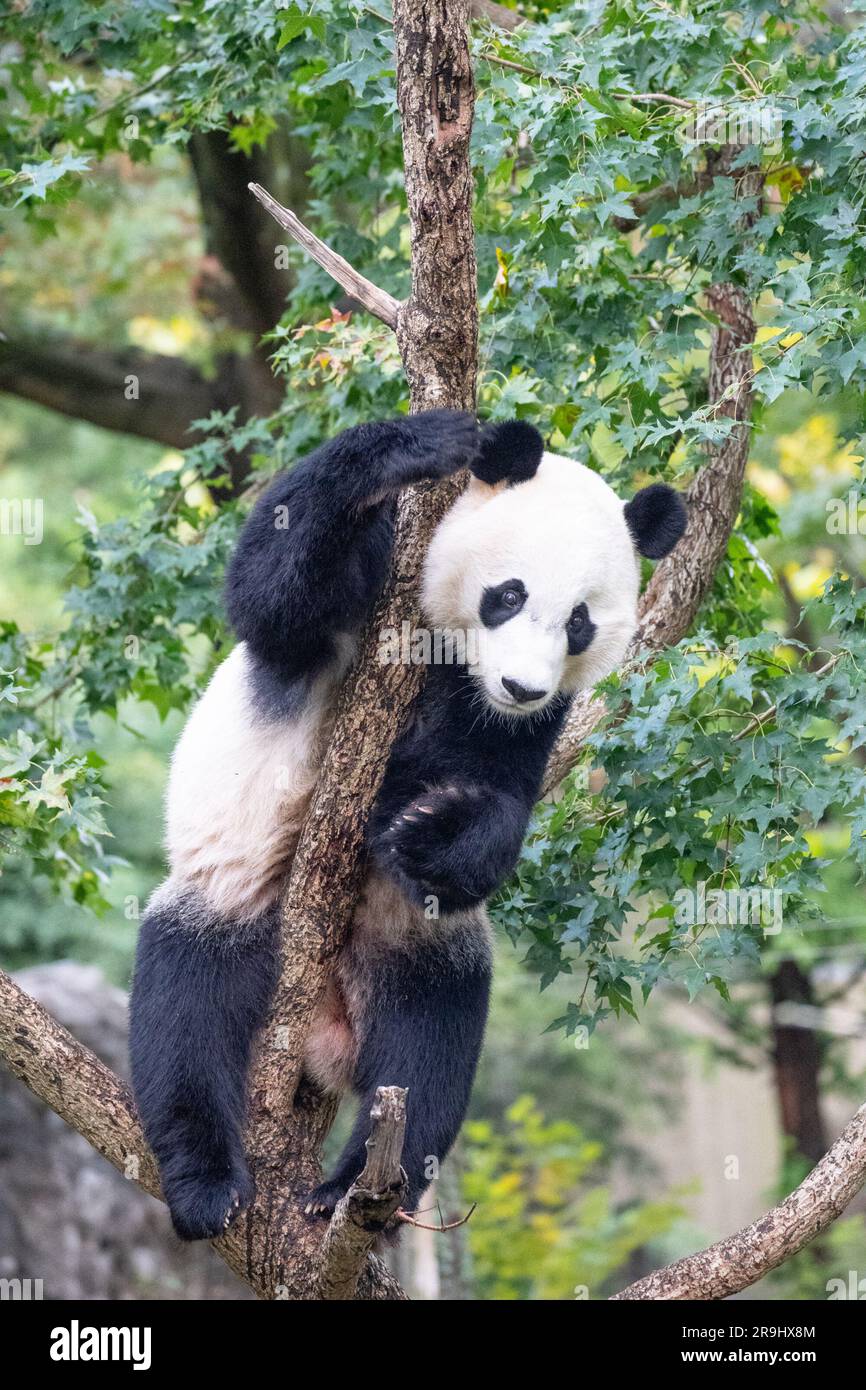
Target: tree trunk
(437, 328)
(154, 396)
(797, 1065)
(237, 231)
(437, 334)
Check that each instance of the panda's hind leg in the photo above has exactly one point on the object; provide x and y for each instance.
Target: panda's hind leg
(421, 1026)
(200, 991)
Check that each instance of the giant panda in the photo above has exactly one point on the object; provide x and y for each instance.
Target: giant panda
(537, 560)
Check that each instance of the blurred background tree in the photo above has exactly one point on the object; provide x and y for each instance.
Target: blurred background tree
(163, 352)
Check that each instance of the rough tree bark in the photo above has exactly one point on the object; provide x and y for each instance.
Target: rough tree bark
(371, 1201)
(437, 327)
(742, 1259)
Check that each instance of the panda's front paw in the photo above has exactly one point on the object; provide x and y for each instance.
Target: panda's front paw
(427, 848)
(204, 1206)
(437, 443)
(323, 1200)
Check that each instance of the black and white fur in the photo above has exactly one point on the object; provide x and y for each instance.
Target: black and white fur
(538, 559)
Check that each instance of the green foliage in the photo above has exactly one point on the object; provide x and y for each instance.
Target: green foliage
(543, 1229)
(623, 1083)
(603, 216)
(50, 803)
(756, 747)
(146, 584)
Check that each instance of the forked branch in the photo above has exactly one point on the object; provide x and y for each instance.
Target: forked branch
(371, 1202)
(383, 305)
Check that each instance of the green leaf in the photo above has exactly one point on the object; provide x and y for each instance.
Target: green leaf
(298, 22)
(39, 178)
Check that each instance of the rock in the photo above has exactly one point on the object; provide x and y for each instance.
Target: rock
(67, 1217)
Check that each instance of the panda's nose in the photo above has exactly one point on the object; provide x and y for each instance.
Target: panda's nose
(522, 694)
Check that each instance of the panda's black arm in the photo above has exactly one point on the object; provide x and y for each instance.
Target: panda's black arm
(458, 794)
(314, 551)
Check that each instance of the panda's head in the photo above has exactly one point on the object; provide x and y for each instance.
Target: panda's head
(541, 574)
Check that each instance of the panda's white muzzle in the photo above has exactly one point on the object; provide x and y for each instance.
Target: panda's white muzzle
(521, 664)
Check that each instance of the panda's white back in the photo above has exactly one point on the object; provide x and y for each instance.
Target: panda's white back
(239, 787)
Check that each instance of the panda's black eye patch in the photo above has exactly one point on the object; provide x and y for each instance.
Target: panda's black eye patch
(580, 629)
(500, 602)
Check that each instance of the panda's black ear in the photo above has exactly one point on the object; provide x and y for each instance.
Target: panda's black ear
(656, 517)
(510, 452)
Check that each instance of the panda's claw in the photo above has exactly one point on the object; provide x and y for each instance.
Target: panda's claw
(204, 1207)
(421, 846)
(324, 1199)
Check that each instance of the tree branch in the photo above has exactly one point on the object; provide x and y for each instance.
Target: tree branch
(437, 327)
(85, 1093)
(437, 334)
(660, 197)
(326, 872)
(383, 305)
(155, 397)
(682, 581)
(237, 231)
(742, 1259)
(368, 1206)
(74, 1083)
(94, 384)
